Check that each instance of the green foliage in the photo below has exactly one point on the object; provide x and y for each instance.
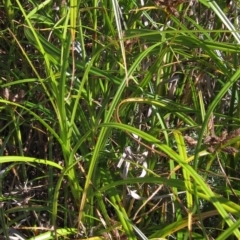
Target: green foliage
(91, 88)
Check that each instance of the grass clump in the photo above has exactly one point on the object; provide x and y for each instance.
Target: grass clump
(119, 120)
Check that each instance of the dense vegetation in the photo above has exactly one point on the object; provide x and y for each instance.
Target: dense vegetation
(119, 119)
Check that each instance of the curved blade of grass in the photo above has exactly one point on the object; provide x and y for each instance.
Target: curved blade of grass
(228, 205)
(7, 159)
(165, 104)
(105, 132)
(173, 155)
(224, 19)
